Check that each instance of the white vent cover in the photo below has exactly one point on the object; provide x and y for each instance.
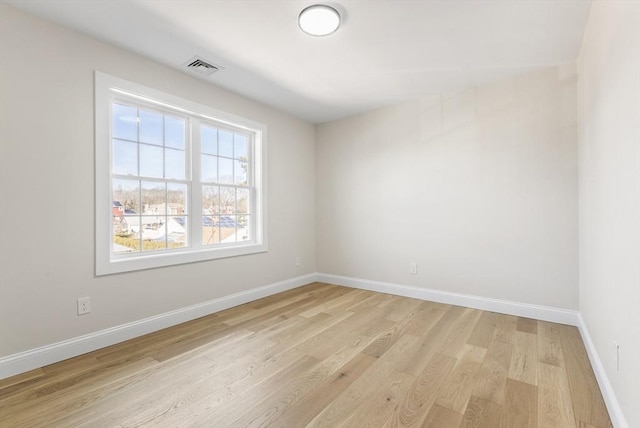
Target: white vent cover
(201, 66)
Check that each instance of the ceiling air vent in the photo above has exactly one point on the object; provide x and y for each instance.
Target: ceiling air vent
(201, 66)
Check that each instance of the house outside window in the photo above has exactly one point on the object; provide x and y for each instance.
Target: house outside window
(176, 181)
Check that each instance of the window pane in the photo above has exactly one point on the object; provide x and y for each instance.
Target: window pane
(150, 161)
(227, 229)
(209, 168)
(174, 164)
(153, 198)
(244, 228)
(242, 201)
(125, 122)
(150, 128)
(128, 239)
(181, 220)
(209, 140)
(240, 172)
(226, 170)
(227, 200)
(125, 158)
(176, 199)
(126, 194)
(239, 146)
(153, 233)
(210, 230)
(124, 242)
(210, 200)
(174, 132)
(177, 232)
(225, 143)
(133, 226)
(119, 225)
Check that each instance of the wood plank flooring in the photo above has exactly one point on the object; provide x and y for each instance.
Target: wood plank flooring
(322, 356)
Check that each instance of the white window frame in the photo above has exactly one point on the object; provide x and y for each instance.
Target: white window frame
(108, 89)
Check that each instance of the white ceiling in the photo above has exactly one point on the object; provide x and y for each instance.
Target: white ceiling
(386, 50)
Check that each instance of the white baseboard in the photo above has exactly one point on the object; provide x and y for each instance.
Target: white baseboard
(613, 406)
(39, 357)
(544, 313)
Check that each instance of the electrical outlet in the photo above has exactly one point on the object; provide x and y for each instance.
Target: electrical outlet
(298, 261)
(413, 268)
(616, 355)
(84, 305)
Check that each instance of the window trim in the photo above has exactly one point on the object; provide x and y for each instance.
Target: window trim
(105, 262)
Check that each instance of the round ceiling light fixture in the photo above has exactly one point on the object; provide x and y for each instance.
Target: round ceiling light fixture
(319, 20)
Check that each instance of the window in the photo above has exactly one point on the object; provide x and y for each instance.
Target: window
(176, 181)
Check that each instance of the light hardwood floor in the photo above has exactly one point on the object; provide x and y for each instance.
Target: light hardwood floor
(323, 356)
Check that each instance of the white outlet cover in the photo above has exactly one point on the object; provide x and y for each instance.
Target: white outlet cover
(84, 305)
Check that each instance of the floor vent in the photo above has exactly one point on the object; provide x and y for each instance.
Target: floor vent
(201, 66)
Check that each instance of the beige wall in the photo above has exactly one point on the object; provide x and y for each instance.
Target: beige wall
(47, 191)
(609, 146)
(480, 190)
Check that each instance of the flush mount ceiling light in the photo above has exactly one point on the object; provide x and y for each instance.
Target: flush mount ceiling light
(319, 20)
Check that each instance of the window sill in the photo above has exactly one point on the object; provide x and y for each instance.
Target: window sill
(155, 260)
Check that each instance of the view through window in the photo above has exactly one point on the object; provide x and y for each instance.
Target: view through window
(180, 182)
